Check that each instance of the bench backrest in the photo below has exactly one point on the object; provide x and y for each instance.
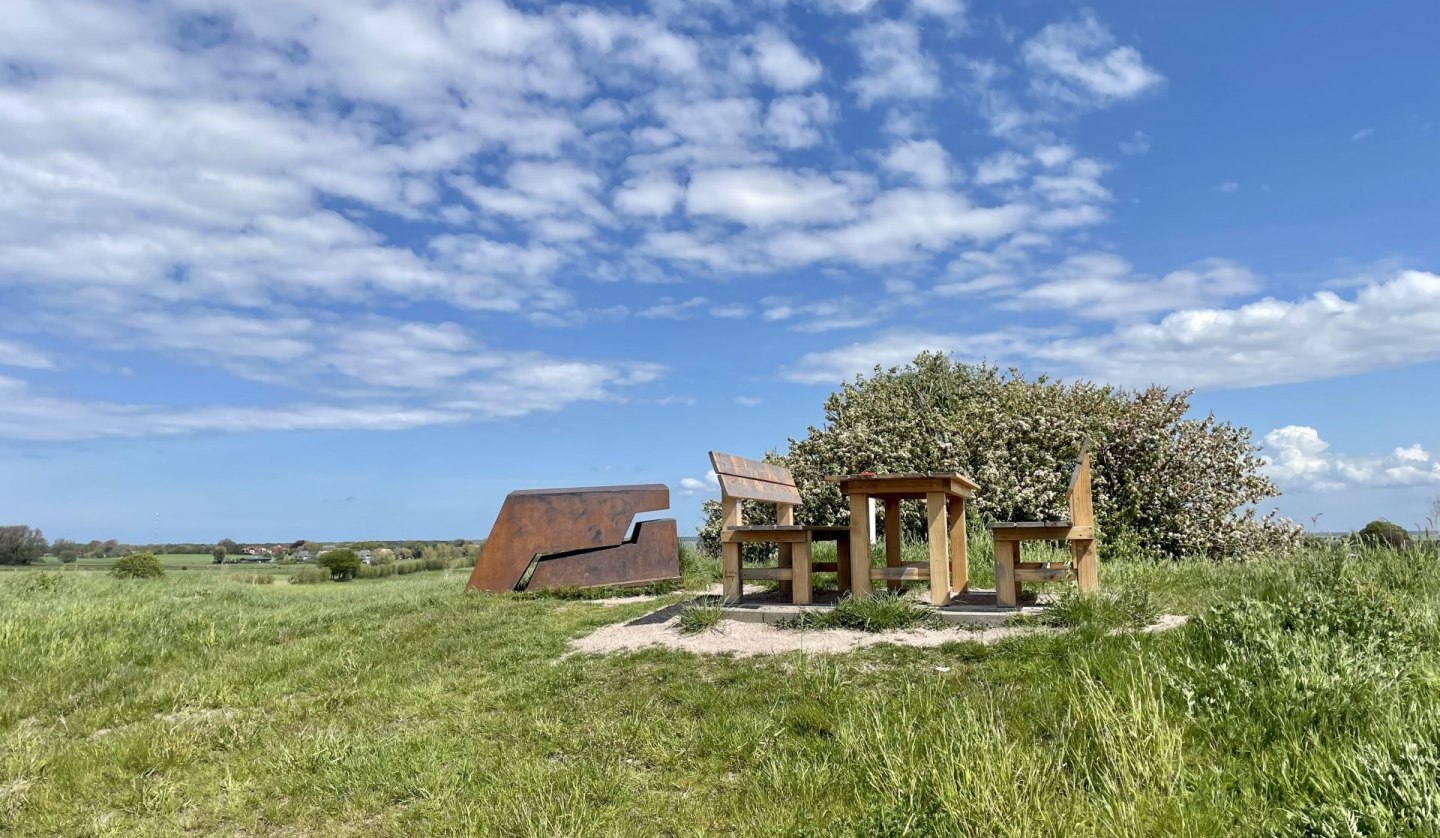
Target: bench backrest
(1082, 510)
(742, 479)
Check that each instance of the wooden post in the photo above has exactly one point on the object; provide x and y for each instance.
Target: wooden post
(1007, 554)
(730, 551)
(959, 547)
(893, 547)
(802, 588)
(935, 505)
(1087, 571)
(785, 517)
(859, 547)
(842, 563)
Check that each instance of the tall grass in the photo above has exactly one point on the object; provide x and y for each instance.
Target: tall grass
(1303, 699)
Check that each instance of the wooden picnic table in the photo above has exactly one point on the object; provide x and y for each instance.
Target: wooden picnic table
(944, 494)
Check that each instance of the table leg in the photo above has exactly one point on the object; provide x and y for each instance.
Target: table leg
(859, 546)
(1007, 553)
(959, 547)
(935, 507)
(893, 549)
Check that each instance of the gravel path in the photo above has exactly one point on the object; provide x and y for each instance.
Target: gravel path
(745, 640)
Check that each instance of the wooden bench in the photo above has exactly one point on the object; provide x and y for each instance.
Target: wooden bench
(751, 480)
(1078, 532)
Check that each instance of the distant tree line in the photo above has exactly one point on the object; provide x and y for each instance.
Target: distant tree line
(22, 544)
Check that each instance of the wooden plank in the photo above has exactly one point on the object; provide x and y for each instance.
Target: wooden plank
(936, 504)
(827, 567)
(761, 535)
(959, 546)
(782, 574)
(842, 561)
(900, 574)
(893, 547)
(748, 488)
(907, 475)
(902, 486)
(1007, 554)
(1043, 574)
(753, 469)
(859, 546)
(1011, 525)
(1082, 510)
(1044, 534)
(802, 589)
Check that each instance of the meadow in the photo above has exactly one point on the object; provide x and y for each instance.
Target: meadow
(181, 562)
(1302, 699)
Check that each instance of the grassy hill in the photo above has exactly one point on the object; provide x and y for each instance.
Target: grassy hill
(1306, 699)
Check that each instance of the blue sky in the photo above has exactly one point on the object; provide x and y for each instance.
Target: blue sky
(313, 269)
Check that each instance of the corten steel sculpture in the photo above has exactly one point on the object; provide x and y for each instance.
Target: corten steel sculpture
(547, 538)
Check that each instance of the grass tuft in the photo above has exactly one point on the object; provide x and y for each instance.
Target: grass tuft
(1102, 611)
(877, 613)
(700, 616)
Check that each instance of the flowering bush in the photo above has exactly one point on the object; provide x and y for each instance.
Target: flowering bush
(1163, 483)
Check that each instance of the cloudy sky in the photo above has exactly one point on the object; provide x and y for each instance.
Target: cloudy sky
(276, 269)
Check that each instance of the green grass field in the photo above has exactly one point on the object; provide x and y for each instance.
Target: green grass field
(180, 562)
(1305, 701)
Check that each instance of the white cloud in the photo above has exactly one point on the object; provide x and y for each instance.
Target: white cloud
(894, 348)
(13, 354)
(1139, 143)
(1385, 325)
(1299, 460)
(1412, 454)
(1079, 61)
(669, 309)
(924, 161)
(898, 225)
(895, 65)
(797, 121)
(748, 401)
(1362, 134)
(1228, 186)
(654, 195)
(1001, 167)
(1102, 286)
(950, 9)
(761, 197)
(709, 485)
(1295, 454)
(731, 311)
(780, 63)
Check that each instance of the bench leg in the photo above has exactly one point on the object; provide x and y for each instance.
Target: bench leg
(1007, 554)
(787, 559)
(1087, 571)
(803, 589)
(842, 562)
(893, 547)
(730, 571)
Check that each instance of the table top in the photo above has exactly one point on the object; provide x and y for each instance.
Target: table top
(907, 485)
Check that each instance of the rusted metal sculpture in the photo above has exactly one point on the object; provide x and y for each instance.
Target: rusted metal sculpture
(547, 538)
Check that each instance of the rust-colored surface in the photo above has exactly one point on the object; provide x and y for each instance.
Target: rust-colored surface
(577, 537)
